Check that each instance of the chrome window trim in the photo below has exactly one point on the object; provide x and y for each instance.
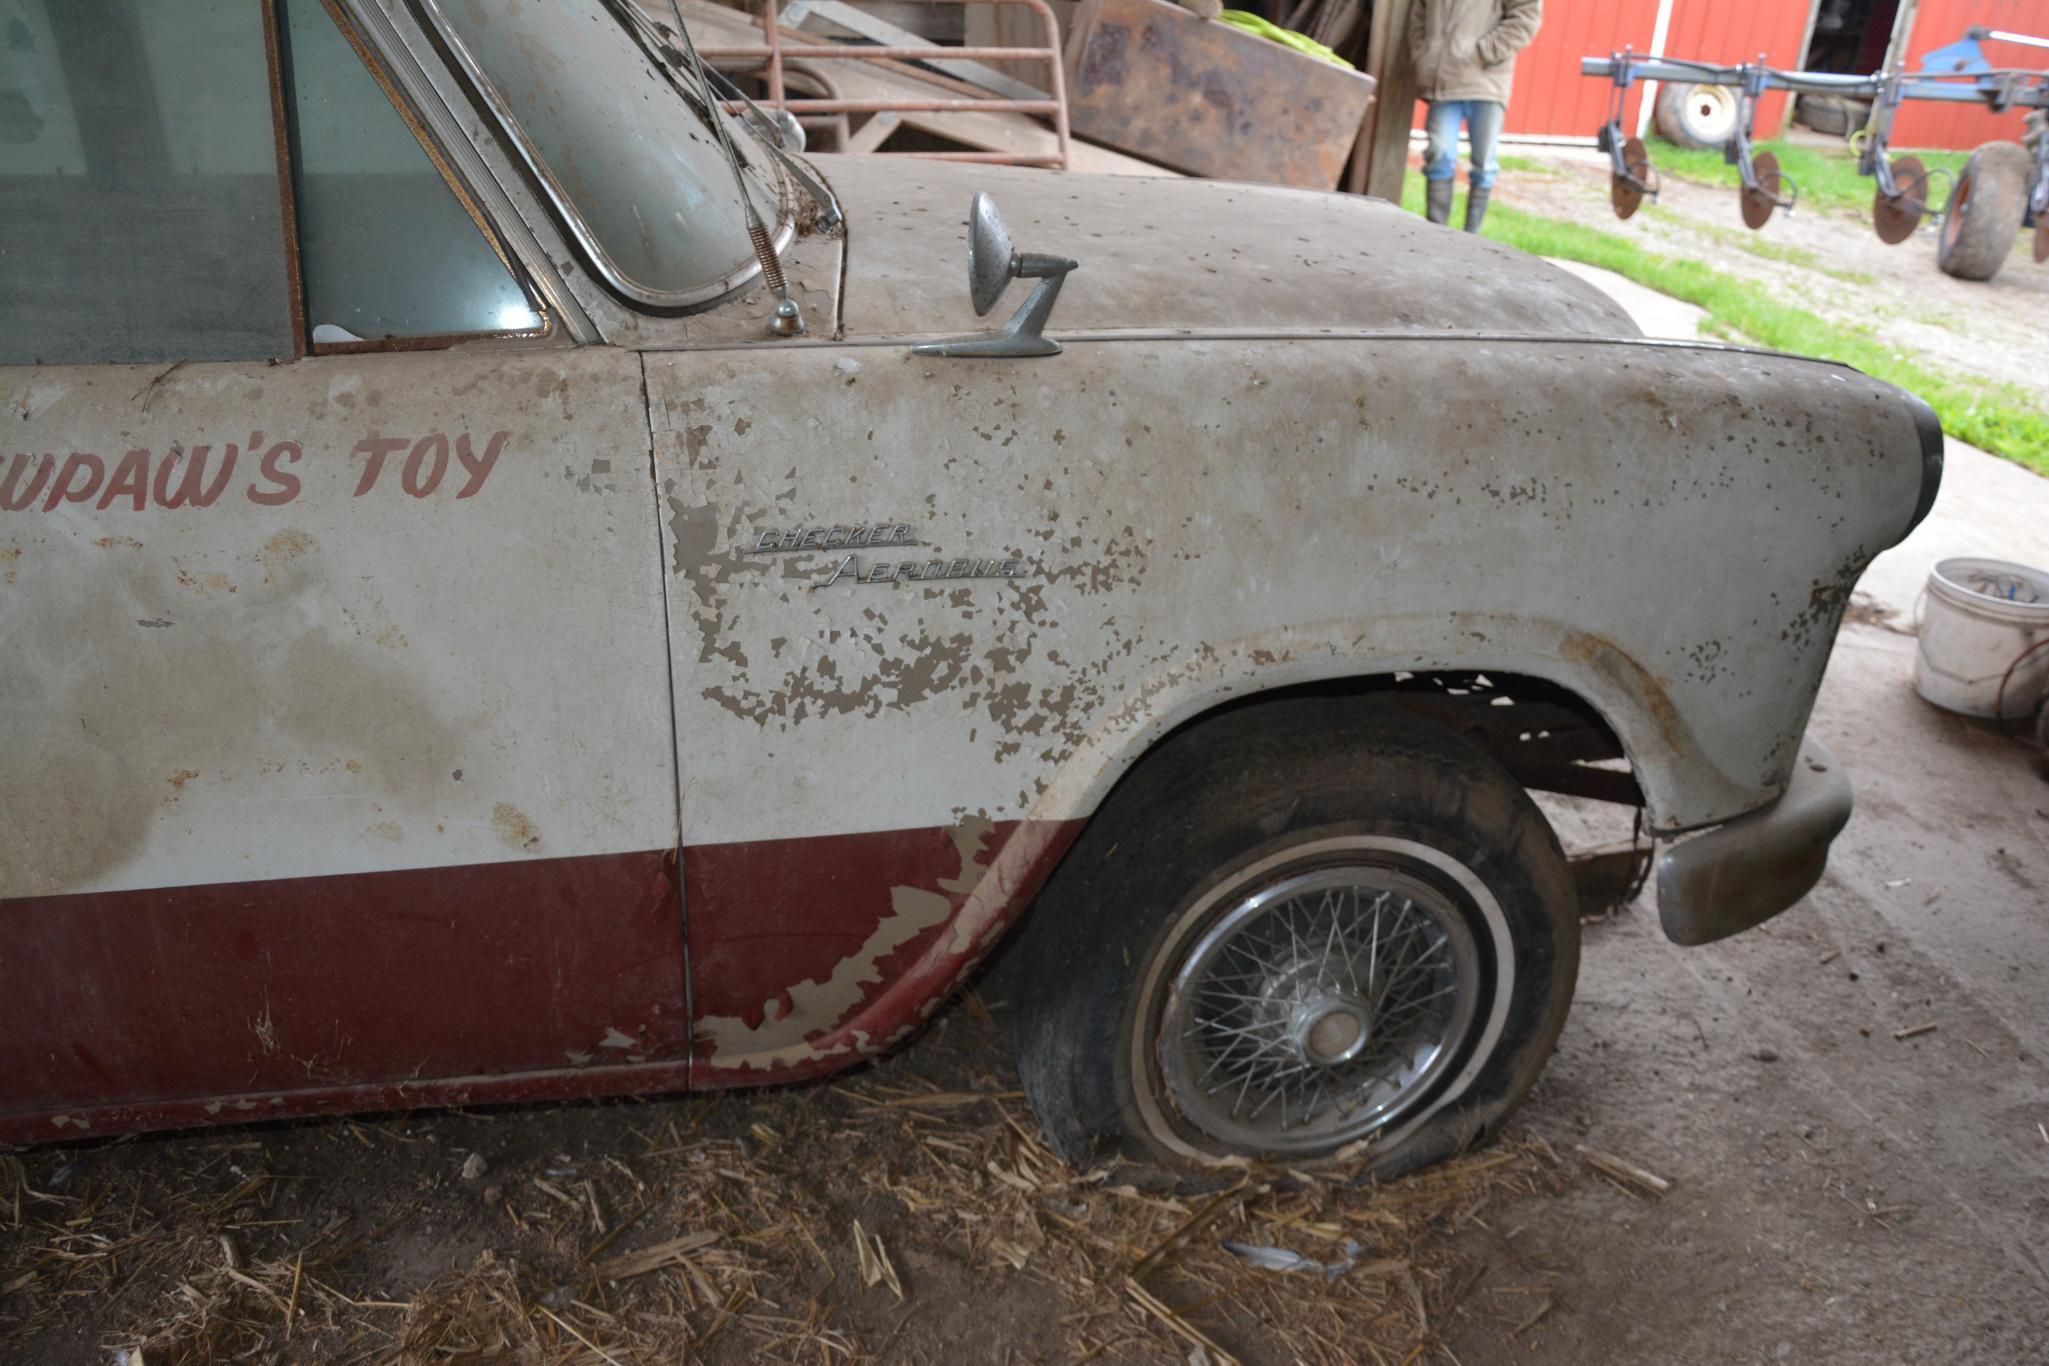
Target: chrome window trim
(572, 219)
(396, 48)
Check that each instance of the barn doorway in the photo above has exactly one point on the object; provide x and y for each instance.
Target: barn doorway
(1849, 37)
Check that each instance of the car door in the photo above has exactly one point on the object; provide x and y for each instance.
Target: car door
(338, 765)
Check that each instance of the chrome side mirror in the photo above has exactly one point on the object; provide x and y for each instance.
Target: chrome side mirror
(992, 264)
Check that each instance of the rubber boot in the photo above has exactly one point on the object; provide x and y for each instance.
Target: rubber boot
(1439, 193)
(1476, 208)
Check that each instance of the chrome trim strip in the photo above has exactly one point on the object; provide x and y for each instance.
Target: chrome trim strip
(1233, 334)
(414, 79)
(573, 221)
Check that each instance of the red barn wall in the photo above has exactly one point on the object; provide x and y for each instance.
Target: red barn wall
(1942, 22)
(1727, 32)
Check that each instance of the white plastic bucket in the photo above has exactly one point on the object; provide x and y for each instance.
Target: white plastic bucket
(1982, 615)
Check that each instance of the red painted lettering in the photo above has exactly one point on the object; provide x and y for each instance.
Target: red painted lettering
(62, 490)
(413, 481)
(192, 488)
(131, 480)
(287, 483)
(377, 448)
(15, 501)
(478, 467)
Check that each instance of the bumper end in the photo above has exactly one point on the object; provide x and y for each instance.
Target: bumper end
(1743, 873)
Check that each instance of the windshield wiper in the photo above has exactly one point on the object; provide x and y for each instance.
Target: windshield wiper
(678, 64)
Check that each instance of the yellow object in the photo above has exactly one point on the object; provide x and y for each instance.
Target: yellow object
(1286, 37)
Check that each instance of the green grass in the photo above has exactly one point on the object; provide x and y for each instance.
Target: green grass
(2002, 419)
(1753, 244)
(1825, 176)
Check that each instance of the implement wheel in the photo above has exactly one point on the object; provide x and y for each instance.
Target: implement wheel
(1757, 204)
(1985, 211)
(1697, 116)
(1896, 217)
(1624, 194)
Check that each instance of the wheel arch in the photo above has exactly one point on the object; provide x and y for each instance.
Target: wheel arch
(1554, 707)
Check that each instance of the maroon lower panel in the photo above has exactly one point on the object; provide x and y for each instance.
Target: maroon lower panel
(181, 1004)
(766, 915)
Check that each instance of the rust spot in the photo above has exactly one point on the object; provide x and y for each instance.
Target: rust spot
(389, 831)
(177, 781)
(514, 828)
(353, 765)
(280, 549)
(1605, 657)
(108, 543)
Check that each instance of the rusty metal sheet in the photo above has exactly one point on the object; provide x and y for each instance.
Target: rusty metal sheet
(1158, 81)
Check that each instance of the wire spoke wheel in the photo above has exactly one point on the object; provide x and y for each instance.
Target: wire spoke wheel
(1319, 1005)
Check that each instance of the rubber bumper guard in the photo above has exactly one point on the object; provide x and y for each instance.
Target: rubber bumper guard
(1741, 874)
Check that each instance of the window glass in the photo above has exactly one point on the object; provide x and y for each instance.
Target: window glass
(386, 248)
(634, 161)
(139, 173)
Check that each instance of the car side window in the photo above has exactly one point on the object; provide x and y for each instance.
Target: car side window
(387, 248)
(139, 172)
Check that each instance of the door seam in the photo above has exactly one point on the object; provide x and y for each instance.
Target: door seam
(666, 571)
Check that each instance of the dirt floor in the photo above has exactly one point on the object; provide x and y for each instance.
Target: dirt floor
(1844, 1183)
(1830, 263)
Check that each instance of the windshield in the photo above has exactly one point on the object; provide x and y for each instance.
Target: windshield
(633, 166)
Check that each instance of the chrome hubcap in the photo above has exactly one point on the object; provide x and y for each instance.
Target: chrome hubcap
(1319, 1006)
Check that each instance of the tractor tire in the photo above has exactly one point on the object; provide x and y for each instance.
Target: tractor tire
(1700, 116)
(1985, 211)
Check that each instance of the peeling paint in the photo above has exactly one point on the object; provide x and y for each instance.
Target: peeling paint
(818, 1006)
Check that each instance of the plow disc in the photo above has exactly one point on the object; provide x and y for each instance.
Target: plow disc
(1626, 192)
(1896, 216)
(1759, 203)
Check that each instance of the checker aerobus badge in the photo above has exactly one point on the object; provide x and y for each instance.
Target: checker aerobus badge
(898, 540)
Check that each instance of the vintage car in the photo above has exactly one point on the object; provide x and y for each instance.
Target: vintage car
(517, 586)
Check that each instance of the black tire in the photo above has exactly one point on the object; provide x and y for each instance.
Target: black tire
(1695, 115)
(1983, 219)
(1832, 114)
(1264, 797)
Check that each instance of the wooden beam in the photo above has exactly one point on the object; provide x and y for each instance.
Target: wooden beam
(1382, 155)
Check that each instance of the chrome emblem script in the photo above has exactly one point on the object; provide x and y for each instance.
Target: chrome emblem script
(894, 538)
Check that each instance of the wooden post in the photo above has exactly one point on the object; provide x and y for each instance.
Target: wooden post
(1382, 154)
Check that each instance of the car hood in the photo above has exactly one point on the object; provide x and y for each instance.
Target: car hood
(1162, 253)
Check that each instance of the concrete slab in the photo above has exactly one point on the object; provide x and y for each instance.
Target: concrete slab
(1659, 315)
(1840, 1193)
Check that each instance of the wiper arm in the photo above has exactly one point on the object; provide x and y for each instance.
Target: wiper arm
(676, 62)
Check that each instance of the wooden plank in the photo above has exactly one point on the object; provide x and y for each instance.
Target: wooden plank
(997, 131)
(837, 14)
(1383, 155)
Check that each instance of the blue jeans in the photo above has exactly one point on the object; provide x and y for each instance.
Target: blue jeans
(1482, 119)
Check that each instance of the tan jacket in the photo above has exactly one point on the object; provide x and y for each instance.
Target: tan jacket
(1465, 49)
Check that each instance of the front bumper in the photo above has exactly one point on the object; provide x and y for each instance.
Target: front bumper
(1743, 873)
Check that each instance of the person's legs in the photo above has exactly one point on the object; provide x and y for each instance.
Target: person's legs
(1483, 126)
(1440, 160)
